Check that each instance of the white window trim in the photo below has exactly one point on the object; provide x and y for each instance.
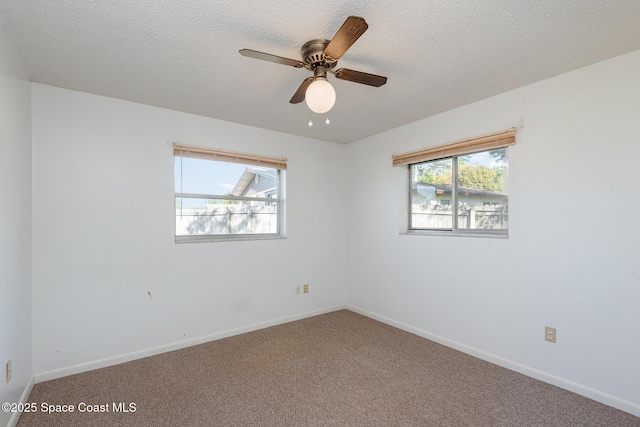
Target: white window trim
(458, 148)
(246, 159)
(459, 232)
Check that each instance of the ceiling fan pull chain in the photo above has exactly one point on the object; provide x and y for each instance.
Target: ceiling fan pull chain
(326, 122)
(310, 122)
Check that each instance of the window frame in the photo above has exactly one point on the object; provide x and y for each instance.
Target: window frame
(454, 230)
(182, 151)
(453, 150)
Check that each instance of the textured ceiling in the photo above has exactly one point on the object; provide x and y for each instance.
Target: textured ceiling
(437, 55)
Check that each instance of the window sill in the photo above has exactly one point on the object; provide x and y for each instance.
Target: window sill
(234, 238)
(480, 234)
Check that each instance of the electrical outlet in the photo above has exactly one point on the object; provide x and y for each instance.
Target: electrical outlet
(9, 371)
(550, 334)
(306, 288)
(297, 289)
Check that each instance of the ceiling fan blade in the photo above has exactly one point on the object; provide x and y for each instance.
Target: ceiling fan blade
(360, 77)
(271, 58)
(298, 97)
(350, 31)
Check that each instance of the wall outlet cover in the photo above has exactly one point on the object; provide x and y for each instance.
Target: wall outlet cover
(550, 334)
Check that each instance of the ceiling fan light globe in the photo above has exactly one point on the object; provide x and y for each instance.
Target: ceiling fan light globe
(320, 96)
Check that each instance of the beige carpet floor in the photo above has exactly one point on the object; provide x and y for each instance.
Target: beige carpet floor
(337, 369)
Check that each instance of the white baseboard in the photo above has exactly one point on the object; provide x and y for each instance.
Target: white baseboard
(15, 417)
(115, 360)
(598, 396)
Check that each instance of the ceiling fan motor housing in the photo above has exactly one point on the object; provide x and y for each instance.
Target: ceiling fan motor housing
(313, 54)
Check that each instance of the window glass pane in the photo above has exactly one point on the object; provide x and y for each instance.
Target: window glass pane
(220, 217)
(483, 190)
(431, 195)
(198, 176)
(216, 211)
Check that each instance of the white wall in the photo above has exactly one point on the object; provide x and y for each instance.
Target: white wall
(15, 226)
(578, 151)
(107, 290)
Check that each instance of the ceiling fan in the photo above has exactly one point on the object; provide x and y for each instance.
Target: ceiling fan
(321, 56)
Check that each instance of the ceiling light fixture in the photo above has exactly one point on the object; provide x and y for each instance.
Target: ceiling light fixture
(320, 95)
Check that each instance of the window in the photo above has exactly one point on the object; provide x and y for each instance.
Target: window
(222, 195)
(461, 187)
